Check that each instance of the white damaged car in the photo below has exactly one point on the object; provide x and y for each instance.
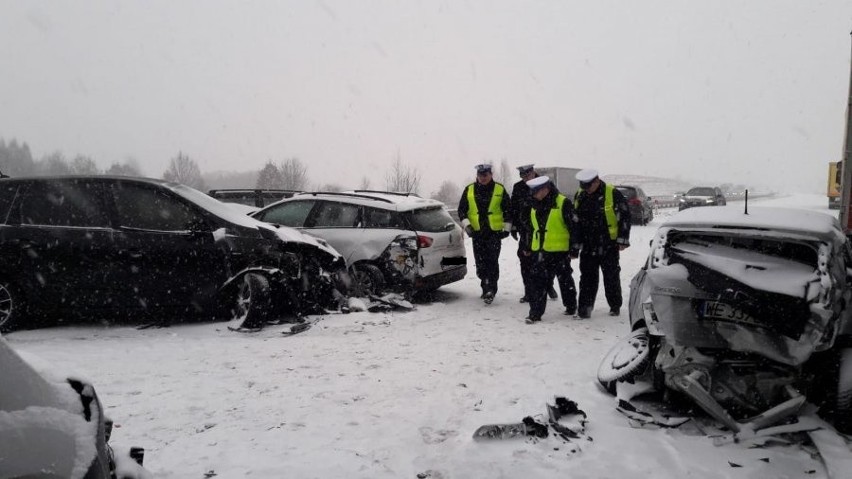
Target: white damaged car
(745, 315)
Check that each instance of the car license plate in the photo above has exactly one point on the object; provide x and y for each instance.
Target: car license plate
(725, 312)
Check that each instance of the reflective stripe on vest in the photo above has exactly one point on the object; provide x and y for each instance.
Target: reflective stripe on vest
(556, 234)
(609, 211)
(495, 213)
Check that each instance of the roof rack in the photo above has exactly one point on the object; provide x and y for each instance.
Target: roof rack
(397, 193)
(350, 195)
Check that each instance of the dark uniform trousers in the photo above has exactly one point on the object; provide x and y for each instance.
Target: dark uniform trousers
(607, 263)
(486, 254)
(544, 266)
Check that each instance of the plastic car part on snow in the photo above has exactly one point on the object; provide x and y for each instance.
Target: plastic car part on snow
(11, 307)
(626, 360)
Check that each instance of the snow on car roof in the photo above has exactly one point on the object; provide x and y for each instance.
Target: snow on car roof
(380, 199)
(779, 219)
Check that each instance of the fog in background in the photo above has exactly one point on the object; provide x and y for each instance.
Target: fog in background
(713, 92)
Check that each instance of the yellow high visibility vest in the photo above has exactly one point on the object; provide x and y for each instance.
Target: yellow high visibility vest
(609, 211)
(556, 237)
(495, 213)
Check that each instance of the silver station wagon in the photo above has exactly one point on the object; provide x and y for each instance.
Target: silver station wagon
(391, 241)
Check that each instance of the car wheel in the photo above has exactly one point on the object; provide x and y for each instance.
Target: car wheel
(251, 300)
(11, 307)
(843, 407)
(367, 279)
(629, 358)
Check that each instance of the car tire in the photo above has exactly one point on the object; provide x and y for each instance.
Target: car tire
(843, 405)
(12, 307)
(251, 300)
(626, 360)
(367, 279)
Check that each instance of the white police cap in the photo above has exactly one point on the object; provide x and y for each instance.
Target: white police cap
(538, 182)
(587, 175)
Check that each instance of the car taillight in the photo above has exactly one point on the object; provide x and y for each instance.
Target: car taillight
(634, 201)
(424, 241)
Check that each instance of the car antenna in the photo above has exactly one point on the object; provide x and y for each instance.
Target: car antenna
(746, 202)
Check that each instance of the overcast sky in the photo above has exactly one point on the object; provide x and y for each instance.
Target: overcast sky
(711, 91)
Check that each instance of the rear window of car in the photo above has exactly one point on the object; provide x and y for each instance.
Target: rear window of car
(701, 192)
(378, 218)
(433, 220)
(63, 203)
(627, 192)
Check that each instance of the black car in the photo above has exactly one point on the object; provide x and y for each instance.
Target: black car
(133, 247)
(56, 427)
(702, 196)
(641, 206)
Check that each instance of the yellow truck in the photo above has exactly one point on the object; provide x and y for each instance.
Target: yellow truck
(835, 184)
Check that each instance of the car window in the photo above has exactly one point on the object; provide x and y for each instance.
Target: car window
(335, 215)
(431, 220)
(640, 193)
(291, 214)
(148, 208)
(627, 192)
(378, 218)
(7, 195)
(63, 203)
(701, 192)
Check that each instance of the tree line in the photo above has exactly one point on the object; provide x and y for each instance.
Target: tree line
(16, 159)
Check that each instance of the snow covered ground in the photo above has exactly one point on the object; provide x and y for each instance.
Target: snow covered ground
(392, 395)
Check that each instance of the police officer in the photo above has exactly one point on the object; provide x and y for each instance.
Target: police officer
(485, 212)
(552, 219)
(521, 229)
(604, 231)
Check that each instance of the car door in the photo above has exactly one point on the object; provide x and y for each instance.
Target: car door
(340, 224)
(168, 254)
(62, 238)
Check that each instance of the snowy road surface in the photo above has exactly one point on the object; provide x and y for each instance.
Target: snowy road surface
(391, 395)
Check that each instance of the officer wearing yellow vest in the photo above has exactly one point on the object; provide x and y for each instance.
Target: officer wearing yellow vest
(484, 210)
(604, 231)
(552, 221)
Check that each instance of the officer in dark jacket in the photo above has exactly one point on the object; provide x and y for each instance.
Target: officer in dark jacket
(521, 229)
(485, 213)
(552, 220)
(604, 231)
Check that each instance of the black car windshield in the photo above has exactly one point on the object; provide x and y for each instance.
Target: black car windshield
(701, 192)
(431, 220)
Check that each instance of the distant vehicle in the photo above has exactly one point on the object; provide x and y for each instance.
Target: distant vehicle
(745, 314)
(251, 197)
(702, 196)
(564, 178)
(55, 427)
(390, 240)
(123, 246)
(835, 184)
(641, 205)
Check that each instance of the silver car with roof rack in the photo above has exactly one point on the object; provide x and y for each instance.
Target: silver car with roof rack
(396, 241)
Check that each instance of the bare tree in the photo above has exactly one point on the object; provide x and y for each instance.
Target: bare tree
(504, 173)
(448, 193)
(128, 168)
(183, 169)
(402, 178)
(83, 165)
(54, 164)
(294, 174)
(365, 183)
(269, 177)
